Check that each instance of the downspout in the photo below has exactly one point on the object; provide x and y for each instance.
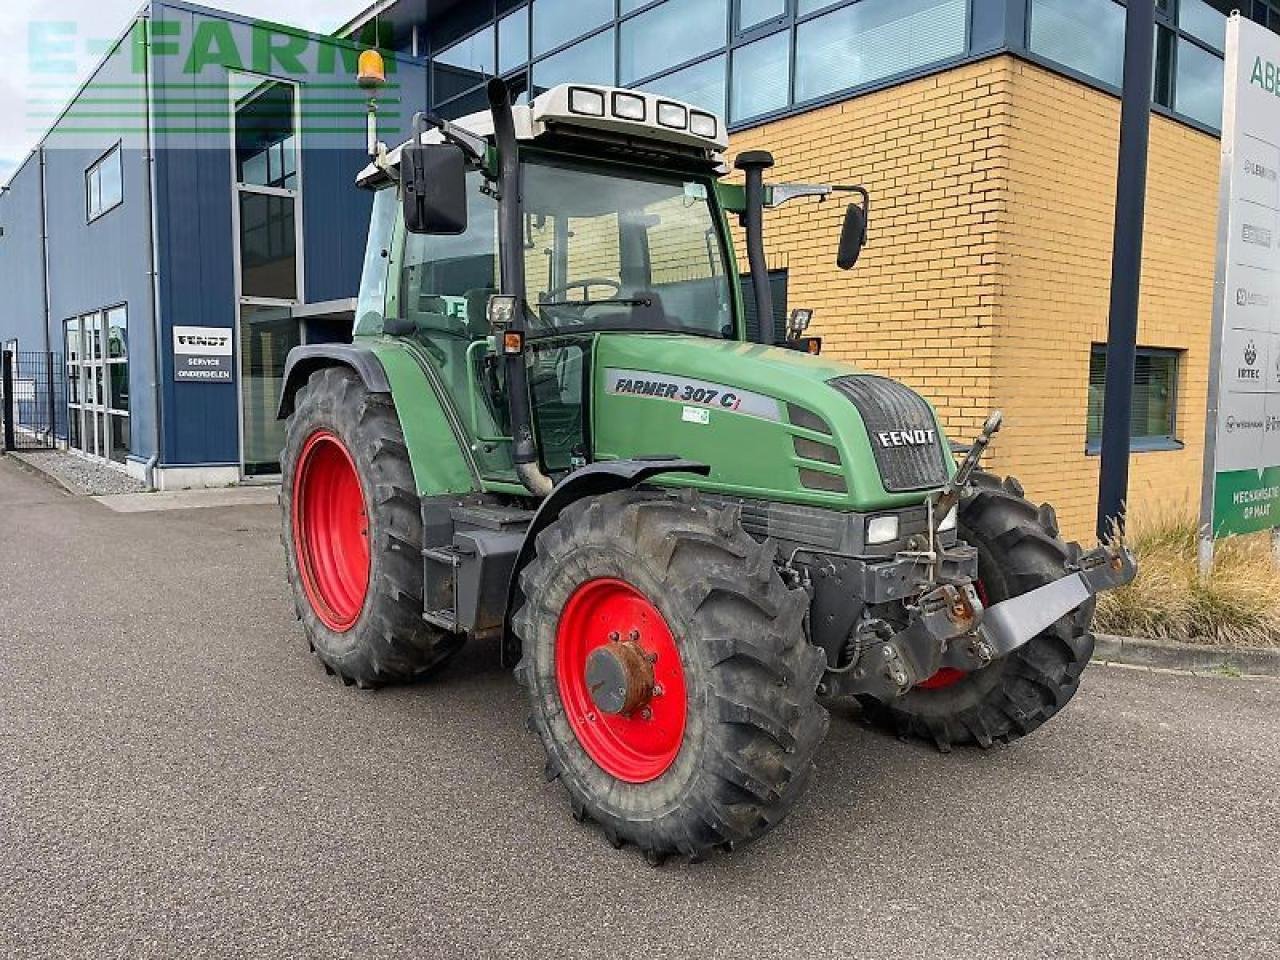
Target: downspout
(48, 287)
(152, 254)
(511, 258)
(754, 163)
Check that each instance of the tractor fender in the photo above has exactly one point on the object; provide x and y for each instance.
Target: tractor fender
(590, 481)
(304, 361)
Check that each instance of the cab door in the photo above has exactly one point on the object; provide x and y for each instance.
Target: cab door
(437, 299)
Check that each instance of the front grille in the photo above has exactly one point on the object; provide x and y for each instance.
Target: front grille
(908, 448)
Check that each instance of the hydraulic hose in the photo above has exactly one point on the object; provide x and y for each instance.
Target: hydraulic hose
(511, 265)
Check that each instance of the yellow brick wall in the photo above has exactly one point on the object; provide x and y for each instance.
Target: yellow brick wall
(986, 275)
(1056, 270)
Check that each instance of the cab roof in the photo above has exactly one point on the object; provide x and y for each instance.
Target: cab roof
(588, 108)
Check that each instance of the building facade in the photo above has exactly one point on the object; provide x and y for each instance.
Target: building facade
(187, 218)
(986, 131)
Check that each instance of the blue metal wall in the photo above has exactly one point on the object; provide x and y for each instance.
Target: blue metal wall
(92, 265)
(195, 192)
(22, 312)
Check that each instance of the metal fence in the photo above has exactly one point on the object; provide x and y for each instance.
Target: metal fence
(32, 395)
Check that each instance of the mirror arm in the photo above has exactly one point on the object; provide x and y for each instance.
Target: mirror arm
(473, 146)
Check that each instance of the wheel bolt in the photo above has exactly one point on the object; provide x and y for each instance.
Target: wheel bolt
(614, 637)
(646, 714)
(634, 636)
(657, 690)
(591, 717)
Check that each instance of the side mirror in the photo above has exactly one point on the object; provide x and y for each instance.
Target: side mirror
(433, 179)
(853, 237)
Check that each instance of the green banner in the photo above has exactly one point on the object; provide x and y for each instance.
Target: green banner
(1246, 501)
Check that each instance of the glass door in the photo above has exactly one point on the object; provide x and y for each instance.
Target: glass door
(266, 159)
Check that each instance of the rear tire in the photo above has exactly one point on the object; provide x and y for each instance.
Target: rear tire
(353, 535)
(750, 720)
(1018, 550)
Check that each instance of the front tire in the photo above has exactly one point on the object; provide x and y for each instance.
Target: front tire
(353, 535)
(1018, 550)
(723, 752)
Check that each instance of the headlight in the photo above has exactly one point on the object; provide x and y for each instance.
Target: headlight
(672, 115)
(702, 125)
(627, 106)
(949, 521)
(589, 103)
(882, 530)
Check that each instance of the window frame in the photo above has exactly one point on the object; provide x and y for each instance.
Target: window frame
(1147, 443)
(96, 168)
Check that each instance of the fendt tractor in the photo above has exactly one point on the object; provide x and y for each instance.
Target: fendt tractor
(555, 429)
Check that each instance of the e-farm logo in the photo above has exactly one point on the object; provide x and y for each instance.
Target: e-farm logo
(56, 48)
(1266, 75)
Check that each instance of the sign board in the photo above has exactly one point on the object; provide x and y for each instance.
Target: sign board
(1242, 437)
(203, 354)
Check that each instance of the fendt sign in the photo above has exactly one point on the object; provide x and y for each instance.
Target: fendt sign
(1242, 456)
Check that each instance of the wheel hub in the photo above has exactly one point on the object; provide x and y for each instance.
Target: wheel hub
(621, 680)
(619, 677)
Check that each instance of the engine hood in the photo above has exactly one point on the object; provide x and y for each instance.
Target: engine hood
(772, 423)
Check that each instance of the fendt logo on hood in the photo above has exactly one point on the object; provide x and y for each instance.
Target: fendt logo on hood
(906, 438)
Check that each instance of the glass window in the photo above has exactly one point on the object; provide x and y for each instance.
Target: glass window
(590, 61)
(465, 65)
(267, 334)
(104, 185)
(671, 33)
(702, 84)
(265, 141)
(469, 103)
(1162, 66)
(373, 277)
(268, 247)
(623, 252)
(513, 41)
(556, 22)
(1086, 35)
(1197, 92)
(875, 39)
(1155, 394)
(446, 281)
(1201, 20)
(118, 333)
(761, 77)
(120, 438)
(754, 12)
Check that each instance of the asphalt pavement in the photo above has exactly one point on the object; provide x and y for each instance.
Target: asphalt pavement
(179, 778)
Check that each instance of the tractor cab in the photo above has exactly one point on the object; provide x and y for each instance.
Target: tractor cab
(620, 237)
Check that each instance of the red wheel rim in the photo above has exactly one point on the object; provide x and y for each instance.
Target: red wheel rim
(950, 676)
(331, 531)
(638, 747)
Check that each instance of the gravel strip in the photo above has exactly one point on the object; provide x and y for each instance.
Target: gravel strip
(79, 475)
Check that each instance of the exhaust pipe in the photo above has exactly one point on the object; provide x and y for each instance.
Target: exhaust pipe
(754, 163)
(511, 264)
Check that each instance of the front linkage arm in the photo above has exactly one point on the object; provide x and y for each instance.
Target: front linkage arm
(949, 627)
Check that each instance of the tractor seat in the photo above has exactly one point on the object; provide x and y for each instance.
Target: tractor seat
(478, 312)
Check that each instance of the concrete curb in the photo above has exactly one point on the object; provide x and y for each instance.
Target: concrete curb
(1191, 657)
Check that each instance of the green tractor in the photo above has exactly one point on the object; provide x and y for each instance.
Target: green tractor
(554, 430)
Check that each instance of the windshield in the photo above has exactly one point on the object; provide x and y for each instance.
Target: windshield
(621, 251)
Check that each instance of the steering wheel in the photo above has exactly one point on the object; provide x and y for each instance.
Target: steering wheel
(585, 285)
